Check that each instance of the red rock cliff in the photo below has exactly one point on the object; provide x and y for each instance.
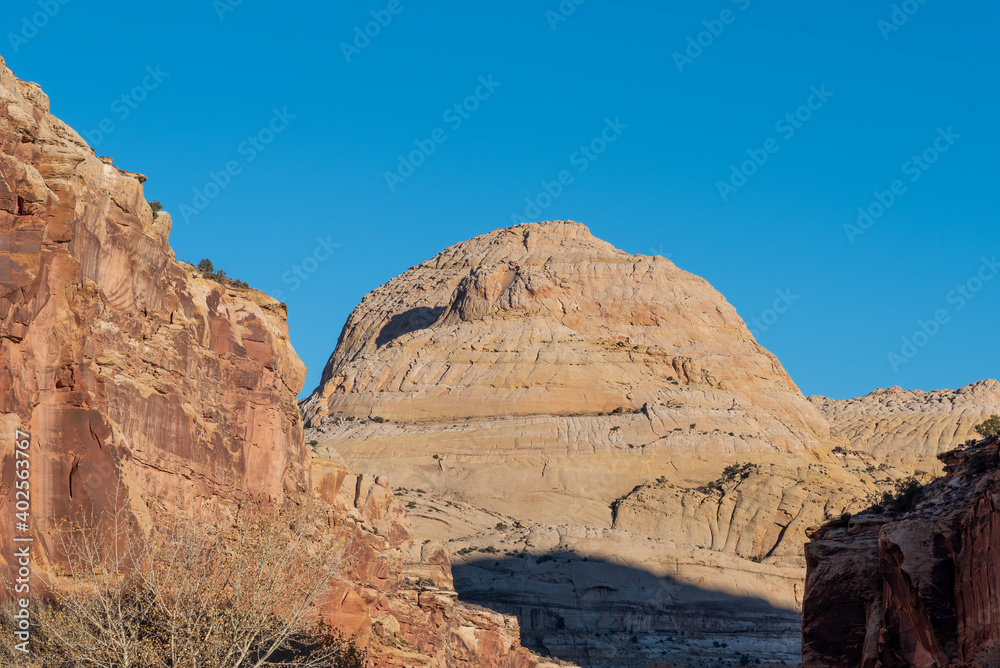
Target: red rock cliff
(132, 371)
(120, 361)
(911, 589)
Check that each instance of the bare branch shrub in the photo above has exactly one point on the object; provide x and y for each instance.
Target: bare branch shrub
(232, 587)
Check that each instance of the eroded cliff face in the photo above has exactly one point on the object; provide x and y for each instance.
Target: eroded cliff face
(536, 392)
(139, 379)
(915, 588)
(123, 365)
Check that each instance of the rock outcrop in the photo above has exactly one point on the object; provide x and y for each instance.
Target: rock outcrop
(909, 429)
(912, 587)
(535, 392)
(135, 374)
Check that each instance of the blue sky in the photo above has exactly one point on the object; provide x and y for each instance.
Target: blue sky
(308, 129)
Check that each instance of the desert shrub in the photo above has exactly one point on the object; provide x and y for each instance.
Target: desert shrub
(217, 589)
(208, 271)
(741, 471)
(908, 493)
(377, 419)
(156, 207)
(411, 504)
(989, 428)
(501, 526)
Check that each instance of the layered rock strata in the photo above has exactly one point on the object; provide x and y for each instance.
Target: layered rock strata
(536, 391)
(909, 429)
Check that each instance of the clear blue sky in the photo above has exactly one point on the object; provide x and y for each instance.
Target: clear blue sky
(654, 189)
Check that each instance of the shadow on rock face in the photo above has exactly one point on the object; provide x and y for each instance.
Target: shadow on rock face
(600, 614)
(410, 321)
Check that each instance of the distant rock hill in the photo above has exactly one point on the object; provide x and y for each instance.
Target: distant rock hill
(909, 429)
(598, 437)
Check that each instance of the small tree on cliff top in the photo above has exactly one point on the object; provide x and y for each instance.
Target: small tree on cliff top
(990, 427)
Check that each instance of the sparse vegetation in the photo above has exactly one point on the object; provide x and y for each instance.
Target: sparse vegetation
(208, 271)
(908, 493)
(989, 428)
(218, 589)
(741, 471)
(156, 207)
(314, 442)
(501, 526)
(411, 504)
(377, 419)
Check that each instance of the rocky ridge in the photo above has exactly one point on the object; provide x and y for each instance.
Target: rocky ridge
(132, 371)
(909, 429)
